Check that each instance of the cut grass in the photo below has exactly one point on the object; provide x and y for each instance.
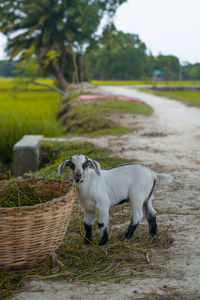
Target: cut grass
(115, 260)
(188, 97)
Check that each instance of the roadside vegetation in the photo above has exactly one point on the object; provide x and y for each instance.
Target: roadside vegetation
(82, 263)
(191, 97)
(94, 117)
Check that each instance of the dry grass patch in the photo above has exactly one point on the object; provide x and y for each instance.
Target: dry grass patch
(115, 260)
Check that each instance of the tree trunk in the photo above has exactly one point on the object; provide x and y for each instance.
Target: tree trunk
(58, 73)
(81, 68)
(75, 67)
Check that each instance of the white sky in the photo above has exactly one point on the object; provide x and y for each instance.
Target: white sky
(165, 26)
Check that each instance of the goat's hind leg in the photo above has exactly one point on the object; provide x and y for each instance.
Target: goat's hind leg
(150, 214)
(136, 217)
(89, 218)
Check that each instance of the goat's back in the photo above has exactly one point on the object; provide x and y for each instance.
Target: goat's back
(124, 180)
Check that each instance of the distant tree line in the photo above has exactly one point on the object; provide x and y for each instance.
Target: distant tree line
(123, 56)
(126, 62)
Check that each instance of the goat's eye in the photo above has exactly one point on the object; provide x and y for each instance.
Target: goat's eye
(86, 164)
(71, 165)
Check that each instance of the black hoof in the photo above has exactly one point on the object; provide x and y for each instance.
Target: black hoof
(126, 235)
(102, 242)
(104, 238)
(129, 232)
(153, 231)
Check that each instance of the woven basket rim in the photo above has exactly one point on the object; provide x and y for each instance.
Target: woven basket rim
(48, 203)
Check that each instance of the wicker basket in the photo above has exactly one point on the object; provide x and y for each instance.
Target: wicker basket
(30, 233)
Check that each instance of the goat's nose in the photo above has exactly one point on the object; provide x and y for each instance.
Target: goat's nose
(78, 173)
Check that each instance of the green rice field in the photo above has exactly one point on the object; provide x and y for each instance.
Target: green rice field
(143, 82)
(26, 110)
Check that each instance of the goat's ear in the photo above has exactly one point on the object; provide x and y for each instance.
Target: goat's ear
(62, 166)
(96, 166)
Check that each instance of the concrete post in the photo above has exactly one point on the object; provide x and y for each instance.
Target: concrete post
(26, 154)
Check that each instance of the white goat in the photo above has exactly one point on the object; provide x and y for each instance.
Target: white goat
(100, 189)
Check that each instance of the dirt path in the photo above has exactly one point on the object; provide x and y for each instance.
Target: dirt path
(168, 141)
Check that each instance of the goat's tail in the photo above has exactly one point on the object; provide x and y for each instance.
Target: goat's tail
(164, 179)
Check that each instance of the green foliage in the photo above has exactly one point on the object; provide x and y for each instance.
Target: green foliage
(25, 112)
(195, 71)
(118, 56)
(27, 66)
(190, 71)
(6, 68)
(169, 65)
(123, 56)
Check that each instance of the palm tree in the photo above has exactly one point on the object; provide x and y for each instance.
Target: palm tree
(55, 28)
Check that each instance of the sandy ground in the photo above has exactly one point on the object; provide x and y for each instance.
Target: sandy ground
(168, 142)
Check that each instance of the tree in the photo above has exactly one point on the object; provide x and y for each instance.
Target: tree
(169, 65)
(195, 71)
(118, 56)
(6, 68)
(55, 28)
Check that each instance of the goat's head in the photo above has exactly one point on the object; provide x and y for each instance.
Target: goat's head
(79, 165)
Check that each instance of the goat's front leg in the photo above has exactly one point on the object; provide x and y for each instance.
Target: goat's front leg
(89, 218)
(103, 217)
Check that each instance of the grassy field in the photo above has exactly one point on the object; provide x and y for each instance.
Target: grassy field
(141, 82)
(188, 97)
(26, 111)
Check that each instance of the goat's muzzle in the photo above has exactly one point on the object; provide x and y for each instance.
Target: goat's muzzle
(78, 176)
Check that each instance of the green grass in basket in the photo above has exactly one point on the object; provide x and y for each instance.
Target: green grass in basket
(19, 194)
